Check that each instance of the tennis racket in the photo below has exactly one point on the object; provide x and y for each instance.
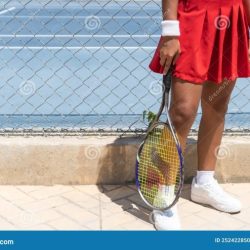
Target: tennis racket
(159, 162)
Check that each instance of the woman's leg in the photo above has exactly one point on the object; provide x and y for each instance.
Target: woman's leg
(214, 103)
(185, 99)
(205, 189)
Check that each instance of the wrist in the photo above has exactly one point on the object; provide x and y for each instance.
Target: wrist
(170, 28)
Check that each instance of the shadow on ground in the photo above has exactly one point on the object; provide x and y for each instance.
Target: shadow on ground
(126, 198)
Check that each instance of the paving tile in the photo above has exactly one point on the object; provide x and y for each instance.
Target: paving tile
(133, 187)
(11, 193)
(44, 204)
(76, 195)
(107, 188)
(221, 220)
(94, 210)
(83, 200)
(137, 200)
(208, 226)
(138, 225)
(182, 201)
(113, 207)
(94, 225)
(49, 191)
(211, 215)
(245, 227)
(89, 204)
(40, 227)
(192, 222)
(5, 225)
(91, 190)
(245, 201)
(31, 219)
(77, 214)
(117, 193)
(140, 213)
(8, 210)
(66, 224)
(243, 216)
(113, 228)
(25, 219)
(48, 215)
(229, 223)
(116, 220)
(29, 188)
(237, 189)
(190, 208)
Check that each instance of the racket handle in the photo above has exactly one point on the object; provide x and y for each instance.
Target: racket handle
(167, 80)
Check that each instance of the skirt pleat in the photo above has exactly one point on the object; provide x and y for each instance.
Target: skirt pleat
(214, 42)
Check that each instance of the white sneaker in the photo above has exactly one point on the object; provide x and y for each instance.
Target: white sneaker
(212, 194)
(166, 220)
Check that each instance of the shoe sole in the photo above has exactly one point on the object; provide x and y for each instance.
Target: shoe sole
(210, 206)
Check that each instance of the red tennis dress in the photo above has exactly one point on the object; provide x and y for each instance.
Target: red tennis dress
(214, 41)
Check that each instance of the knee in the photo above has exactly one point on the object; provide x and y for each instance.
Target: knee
(183, 113)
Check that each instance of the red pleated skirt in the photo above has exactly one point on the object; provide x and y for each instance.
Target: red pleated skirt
(214, 41)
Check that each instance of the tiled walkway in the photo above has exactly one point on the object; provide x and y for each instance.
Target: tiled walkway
(107, 208)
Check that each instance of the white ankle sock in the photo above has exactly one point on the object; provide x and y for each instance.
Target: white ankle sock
(203, 177)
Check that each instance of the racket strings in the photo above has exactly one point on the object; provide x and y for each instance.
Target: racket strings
(159, 171)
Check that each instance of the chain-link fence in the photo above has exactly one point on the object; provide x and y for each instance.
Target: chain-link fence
(80, 66)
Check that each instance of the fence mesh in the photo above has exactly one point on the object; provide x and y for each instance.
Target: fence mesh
(82, 66)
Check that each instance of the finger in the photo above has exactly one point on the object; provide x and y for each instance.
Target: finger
(167, 65)
(177, 55)
(163, 58)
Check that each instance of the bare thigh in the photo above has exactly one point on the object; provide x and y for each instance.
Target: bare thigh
(185, 99)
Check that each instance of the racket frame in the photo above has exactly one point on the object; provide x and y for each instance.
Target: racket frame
(166, 86)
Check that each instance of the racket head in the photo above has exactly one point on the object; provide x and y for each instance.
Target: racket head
(159, 167)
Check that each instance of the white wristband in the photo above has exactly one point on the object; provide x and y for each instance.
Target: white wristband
(170, 28)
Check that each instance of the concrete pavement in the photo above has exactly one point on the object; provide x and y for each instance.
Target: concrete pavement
(107, 207)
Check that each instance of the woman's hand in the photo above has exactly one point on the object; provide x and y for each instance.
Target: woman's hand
(169, 52)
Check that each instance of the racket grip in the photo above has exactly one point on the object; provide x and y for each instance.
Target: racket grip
(167, 79)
